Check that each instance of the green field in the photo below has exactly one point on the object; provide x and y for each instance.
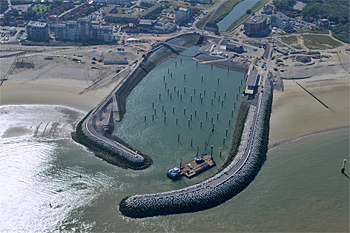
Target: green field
(290, 40)
(41, 8)
(320, 42)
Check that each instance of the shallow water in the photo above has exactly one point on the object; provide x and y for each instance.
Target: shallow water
(300, 187)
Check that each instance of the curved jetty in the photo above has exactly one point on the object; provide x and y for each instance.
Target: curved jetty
(224, 185)
(95, 130)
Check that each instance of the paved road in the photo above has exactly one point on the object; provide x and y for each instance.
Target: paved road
(92, 120)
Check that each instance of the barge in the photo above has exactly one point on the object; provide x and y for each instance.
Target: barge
(192, 168)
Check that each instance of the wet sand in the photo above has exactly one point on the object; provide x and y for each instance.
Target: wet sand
(295, 113)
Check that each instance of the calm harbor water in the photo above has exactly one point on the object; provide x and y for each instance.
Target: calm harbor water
(235, 14)
(49, 183)
(164, 98)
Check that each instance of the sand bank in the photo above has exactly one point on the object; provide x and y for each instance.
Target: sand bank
(56, 82)
(296, 113)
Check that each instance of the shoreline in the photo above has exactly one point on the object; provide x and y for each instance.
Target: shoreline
(296, 114)
(291, 140)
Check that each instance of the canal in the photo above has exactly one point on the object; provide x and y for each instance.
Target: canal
(235, 14)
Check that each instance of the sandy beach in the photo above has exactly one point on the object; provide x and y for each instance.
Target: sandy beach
(64, 81)
(67, 79)
(296, 113)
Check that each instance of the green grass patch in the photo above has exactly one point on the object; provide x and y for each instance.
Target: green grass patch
(290, 40)
(320, 42)
(40, 8)
(202, 21)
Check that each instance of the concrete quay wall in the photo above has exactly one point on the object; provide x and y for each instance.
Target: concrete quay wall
(219, 188)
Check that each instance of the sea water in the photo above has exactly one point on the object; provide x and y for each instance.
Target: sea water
(49, 183)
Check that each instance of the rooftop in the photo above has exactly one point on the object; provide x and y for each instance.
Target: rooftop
(252, 77)
(257, 19)
(37, 24)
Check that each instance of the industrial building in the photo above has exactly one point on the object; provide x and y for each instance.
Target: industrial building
(182, 15)
(235, 48)
(281, 21)
(252, 81)
(256, 26)
(110, 14)
(37, 31)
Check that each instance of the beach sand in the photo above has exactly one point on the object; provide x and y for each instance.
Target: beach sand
(295, 113)
(56, 82)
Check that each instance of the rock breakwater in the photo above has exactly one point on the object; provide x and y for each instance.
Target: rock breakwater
(223, 186)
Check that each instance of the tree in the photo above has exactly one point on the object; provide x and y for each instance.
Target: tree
(248, 12)
(3, 6)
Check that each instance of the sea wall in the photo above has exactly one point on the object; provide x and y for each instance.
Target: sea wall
(217, 189)
(107, 152)
(109, 147)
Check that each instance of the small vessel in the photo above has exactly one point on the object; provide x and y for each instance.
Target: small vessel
(195, 166)
(174, 173)
(192, 168)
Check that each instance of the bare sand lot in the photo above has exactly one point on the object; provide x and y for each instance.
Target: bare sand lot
(58, 78)
(296, 113)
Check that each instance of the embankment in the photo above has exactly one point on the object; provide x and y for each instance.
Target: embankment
(106, 152)
(223, 186)
(107, 146)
